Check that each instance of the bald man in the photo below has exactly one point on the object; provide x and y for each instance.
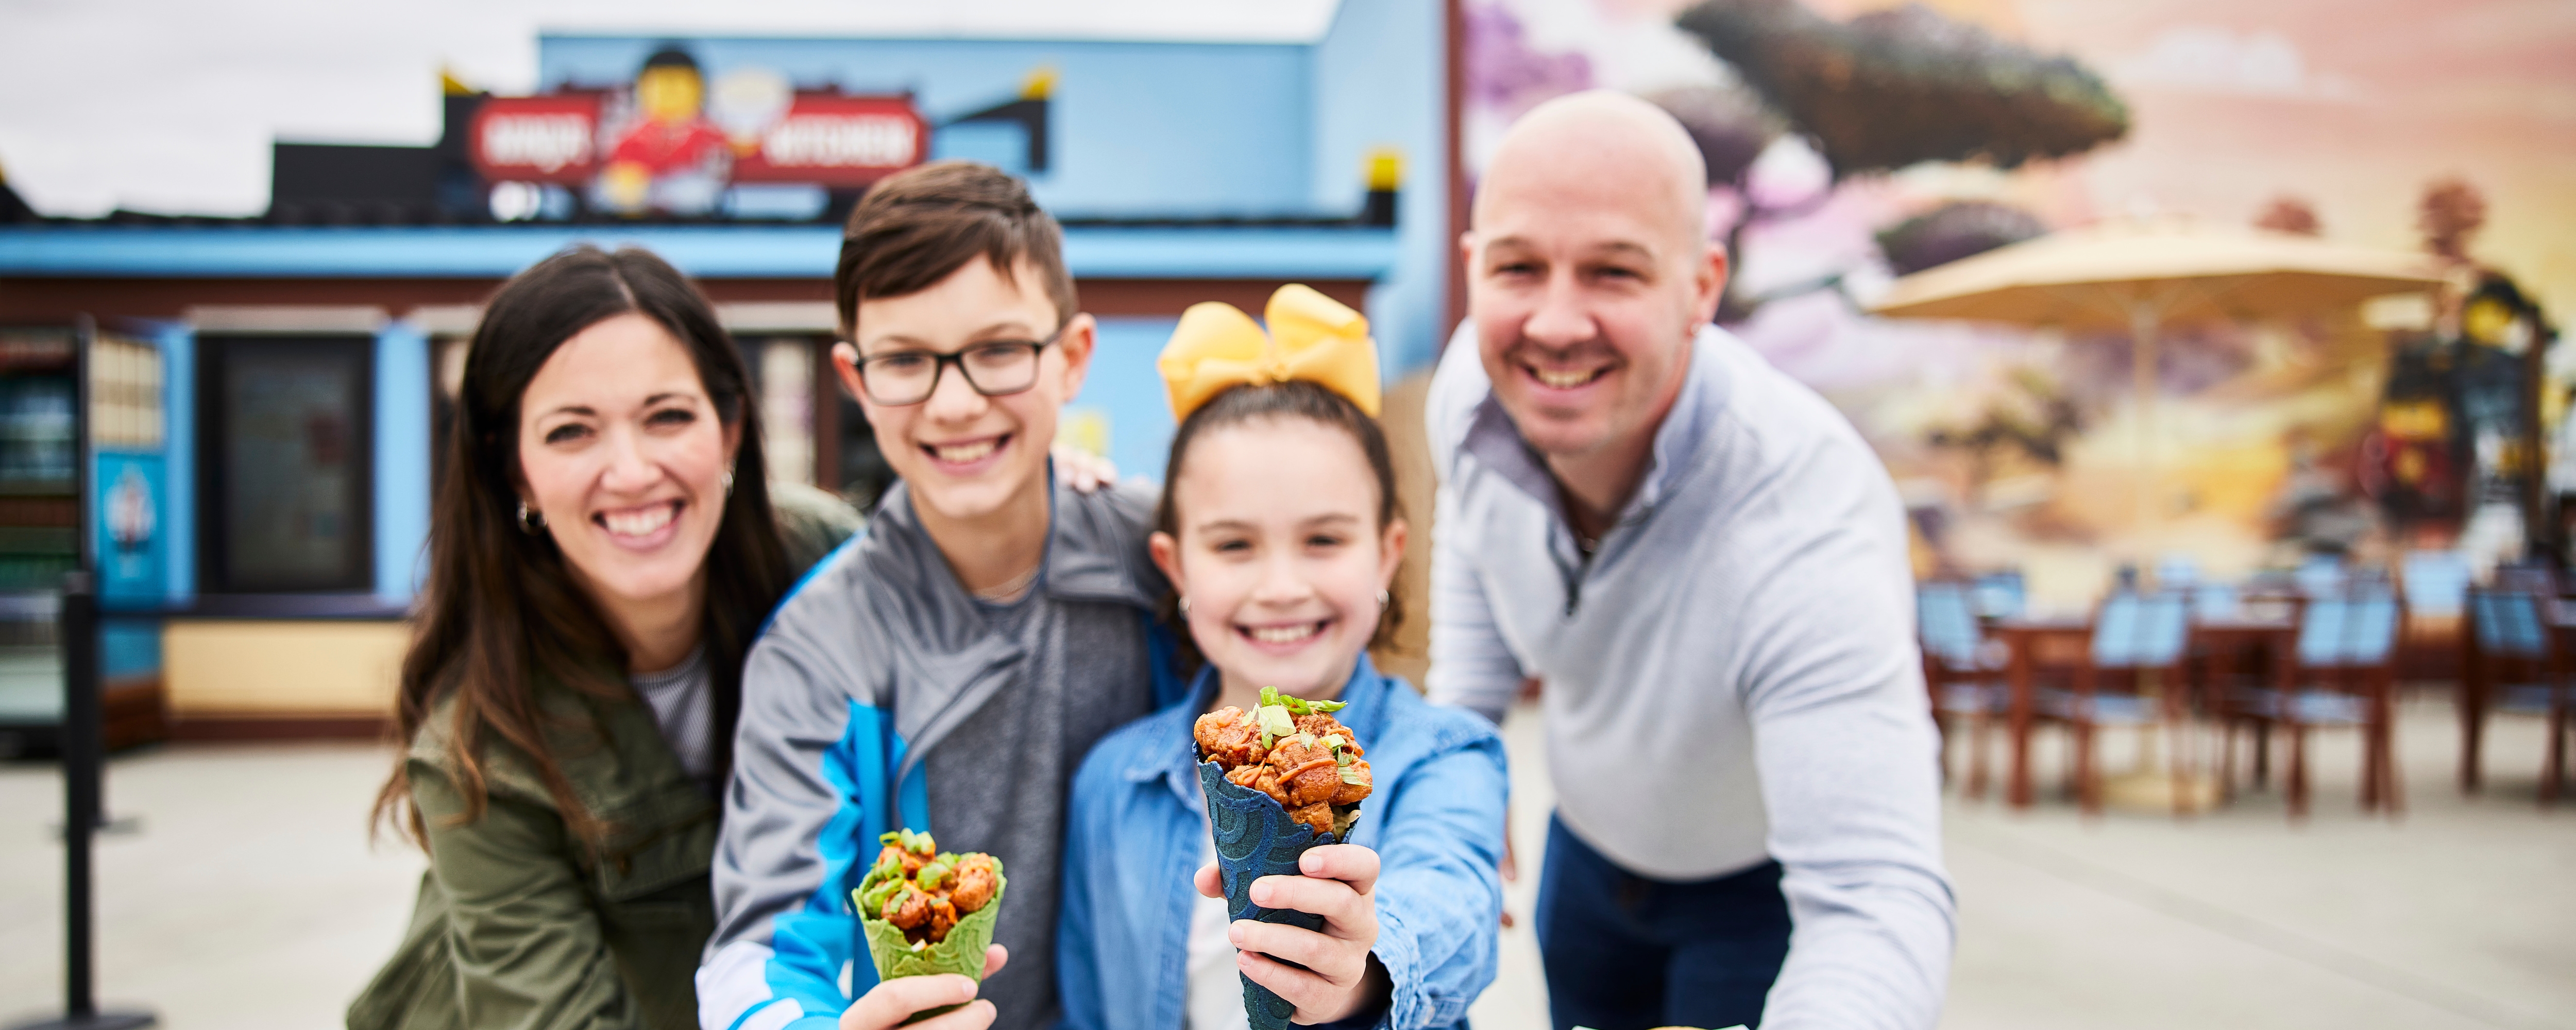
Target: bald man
(1707, 568)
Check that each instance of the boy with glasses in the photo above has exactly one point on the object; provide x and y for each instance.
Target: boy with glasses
(947, 670)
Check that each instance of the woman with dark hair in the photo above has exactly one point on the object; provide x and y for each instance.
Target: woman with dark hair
(597, 570)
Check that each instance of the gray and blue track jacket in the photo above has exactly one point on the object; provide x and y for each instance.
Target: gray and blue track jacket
(883, 695)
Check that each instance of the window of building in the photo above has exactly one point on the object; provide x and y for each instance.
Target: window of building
(287, 429)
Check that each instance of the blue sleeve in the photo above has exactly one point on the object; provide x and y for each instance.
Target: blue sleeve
(1440, 889)
(803, 810)
(1076, 954)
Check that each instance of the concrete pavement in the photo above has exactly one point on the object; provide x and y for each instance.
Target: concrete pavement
(249, 898)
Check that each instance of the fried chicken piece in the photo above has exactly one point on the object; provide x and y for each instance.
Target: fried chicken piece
(1322, 725)
(1230, 737)
(912, 863)
(1261, 777)
(975, 884)
(1349, 793)
(1307, 771)
(907, 908)
(943, 918)
(1318, 815)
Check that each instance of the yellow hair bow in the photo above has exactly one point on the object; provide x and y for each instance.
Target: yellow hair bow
(1312, 337)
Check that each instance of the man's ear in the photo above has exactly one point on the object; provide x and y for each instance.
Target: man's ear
(1081, 334)
(1708, 284)
(1166, 553)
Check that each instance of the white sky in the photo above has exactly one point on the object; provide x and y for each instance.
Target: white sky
(170, 105)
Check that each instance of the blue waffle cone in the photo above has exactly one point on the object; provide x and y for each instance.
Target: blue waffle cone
(1255, 838)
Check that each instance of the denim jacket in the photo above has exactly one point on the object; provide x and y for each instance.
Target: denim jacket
(1135, 835)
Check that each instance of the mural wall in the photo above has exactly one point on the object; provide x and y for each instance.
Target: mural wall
(1851, 142)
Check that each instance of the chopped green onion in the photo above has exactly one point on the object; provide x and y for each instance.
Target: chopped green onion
(1336, 741)
(1276, 723)
(874, 900)
(1351, 775)
(931, 876)
(1328, 707)
(1342, 758)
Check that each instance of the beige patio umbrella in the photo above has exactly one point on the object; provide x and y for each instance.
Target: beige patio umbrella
(2141, 275)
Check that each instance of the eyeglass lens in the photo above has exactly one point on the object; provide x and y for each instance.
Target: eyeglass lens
(991, 369)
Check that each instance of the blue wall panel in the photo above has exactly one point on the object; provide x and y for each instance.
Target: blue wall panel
(128, 648)
(1125, 388)
(1380, 82)
(714, 252)
(179, 443)
(402, 461)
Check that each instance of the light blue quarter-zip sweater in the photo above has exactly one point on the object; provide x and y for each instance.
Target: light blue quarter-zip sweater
(1731, 676)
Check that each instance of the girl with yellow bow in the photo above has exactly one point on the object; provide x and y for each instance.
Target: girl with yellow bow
(1281, 533)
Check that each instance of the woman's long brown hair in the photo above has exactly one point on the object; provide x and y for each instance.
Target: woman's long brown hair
(500, 609)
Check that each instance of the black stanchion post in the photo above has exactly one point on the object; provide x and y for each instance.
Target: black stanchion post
(83, 739)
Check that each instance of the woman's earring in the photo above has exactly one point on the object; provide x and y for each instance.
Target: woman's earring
(728, 481)
(1185, 604)
(1382, 599)
(530, 522)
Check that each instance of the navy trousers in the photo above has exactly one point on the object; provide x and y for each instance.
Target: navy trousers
(1624, 952)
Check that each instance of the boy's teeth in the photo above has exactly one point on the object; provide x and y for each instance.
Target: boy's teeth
(963, 453)
(638, 523)
(1284, 634)
(1563, 380)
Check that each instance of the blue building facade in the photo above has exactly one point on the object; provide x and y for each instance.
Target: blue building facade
(1182, 171)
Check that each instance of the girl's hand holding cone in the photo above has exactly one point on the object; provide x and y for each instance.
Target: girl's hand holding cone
(1340, 978)
(890, 1002)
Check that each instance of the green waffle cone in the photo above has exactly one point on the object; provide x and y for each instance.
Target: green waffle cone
(962, 953)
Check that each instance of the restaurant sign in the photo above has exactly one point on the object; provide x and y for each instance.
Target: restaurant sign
(670, 142)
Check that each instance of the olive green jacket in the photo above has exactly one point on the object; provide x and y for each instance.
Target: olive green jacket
(521, 926)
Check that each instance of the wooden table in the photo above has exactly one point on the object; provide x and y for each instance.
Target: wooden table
(2026, 637)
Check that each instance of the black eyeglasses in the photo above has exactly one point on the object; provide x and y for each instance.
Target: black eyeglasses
(994, 368)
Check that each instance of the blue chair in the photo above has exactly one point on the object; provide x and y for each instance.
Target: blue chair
(2514, 671)
(2321, 575)
(2437, 583)
(2216, 602)
(2343, 674)
(2134, 635)
(2434, 645)
(2000, 595)
(1961, 670)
